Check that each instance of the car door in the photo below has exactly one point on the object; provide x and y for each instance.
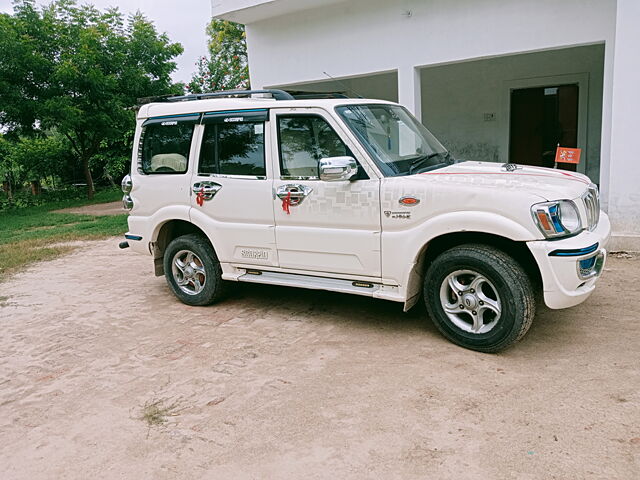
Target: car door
(161, 178)
(232, 186)
(322, 226)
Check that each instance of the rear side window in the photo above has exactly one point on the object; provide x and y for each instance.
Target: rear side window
(233, 149)
(165, 148)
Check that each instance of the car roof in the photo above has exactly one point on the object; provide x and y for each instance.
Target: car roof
(224, 104)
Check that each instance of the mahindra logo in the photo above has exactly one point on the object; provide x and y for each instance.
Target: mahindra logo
(511, 167)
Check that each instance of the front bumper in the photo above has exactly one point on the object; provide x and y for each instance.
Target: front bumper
(571, 267)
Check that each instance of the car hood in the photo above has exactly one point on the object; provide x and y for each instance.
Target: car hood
(548, 183)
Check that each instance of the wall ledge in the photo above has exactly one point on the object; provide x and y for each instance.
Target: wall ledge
(624, 242)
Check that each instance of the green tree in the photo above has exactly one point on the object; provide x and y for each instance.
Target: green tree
(9, 170)
(226, 68)
(114, 156)
(79, 71)
(40, 157)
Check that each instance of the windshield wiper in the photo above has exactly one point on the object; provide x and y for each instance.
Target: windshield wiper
(434, 167)
(417, 162)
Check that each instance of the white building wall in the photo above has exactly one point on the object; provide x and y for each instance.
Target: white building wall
(624, 173)
(366, 36)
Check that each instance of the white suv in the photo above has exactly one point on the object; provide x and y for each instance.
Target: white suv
(356, 196)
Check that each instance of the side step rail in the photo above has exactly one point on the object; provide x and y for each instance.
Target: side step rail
(356, 287)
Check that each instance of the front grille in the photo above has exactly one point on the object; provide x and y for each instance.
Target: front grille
(591, 200)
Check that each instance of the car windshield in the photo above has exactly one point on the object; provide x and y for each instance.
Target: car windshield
(398, 143)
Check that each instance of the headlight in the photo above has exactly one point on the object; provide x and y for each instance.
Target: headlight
(557, 219)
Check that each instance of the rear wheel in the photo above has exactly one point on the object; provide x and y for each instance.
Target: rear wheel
(479, 297)
(193, 271)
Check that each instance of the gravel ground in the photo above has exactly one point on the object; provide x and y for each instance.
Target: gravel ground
(104, 374)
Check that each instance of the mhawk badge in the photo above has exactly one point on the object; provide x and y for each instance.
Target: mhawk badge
(401, 215)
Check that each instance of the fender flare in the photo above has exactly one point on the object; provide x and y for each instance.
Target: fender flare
(166, 215)
(196, 217)
(478, 221)
(449, 223)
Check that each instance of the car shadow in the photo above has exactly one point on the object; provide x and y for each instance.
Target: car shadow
(550, 328)
(299, 303)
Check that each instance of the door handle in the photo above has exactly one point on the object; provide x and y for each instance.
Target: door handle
(206, 190)
(296, 193)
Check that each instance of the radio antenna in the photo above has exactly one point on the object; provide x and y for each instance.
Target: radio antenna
(342, 84)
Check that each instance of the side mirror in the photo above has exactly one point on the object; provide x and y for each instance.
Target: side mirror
(334, 169)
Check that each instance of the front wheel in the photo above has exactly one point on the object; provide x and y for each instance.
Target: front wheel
(193, 271)
(479, 297)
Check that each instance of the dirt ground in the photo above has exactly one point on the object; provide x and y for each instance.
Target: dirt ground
(104, 374)
(111, 208)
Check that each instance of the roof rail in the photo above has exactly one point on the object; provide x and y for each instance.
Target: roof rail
(316, 95)
(158, 98)
(276, 94)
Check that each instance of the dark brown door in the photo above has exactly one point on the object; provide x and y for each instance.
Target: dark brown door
(542, 118)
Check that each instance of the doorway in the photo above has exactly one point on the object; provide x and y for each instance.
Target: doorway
(541, 119)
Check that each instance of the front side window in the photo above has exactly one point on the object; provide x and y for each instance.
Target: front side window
(233, 149)
(398, 143)
(165, 148)
(304, 141)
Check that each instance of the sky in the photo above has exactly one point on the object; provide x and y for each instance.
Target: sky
(184, 21)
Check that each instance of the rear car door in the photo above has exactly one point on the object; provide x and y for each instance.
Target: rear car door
(163, 171)
(232, 187)
(322, 226)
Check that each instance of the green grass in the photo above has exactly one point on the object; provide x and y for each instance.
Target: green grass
(36, 233)
(155, 412)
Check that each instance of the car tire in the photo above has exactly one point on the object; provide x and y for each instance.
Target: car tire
(479, 297)
(193, 271)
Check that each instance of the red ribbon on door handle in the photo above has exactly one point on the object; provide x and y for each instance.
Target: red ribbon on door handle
(286, 203)
(200, 197)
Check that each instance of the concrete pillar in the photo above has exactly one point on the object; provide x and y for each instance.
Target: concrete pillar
(624, 172)
(409, 93)
(605, 136)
